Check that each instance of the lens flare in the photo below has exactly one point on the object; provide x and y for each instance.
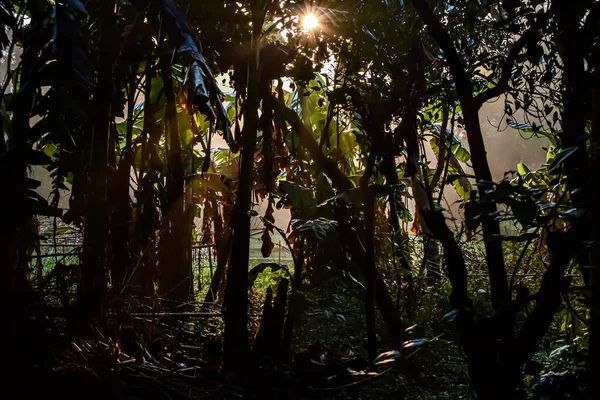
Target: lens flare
(309, 22)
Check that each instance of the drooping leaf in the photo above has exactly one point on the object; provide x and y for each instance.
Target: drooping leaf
(409, 344)
(203, 89)
(458, 149)
(199, 94)
(267, 244)
(36, 157)
(572, 213)
(561, 157)
(297, 196)
(416, 330)
(387, 357)
(319, 228)
(523, 211)
(223, 125)
(534, 131)
(452, 316)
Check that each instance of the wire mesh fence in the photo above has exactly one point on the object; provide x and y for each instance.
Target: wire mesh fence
(65, 252)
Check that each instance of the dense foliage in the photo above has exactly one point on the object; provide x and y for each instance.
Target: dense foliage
(346, 114)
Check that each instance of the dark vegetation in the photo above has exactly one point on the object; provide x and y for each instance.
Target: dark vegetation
(144, 282)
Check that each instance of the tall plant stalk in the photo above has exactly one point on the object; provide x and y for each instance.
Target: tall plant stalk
(237, 345)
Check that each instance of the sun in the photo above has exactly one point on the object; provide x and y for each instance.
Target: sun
(309, 22)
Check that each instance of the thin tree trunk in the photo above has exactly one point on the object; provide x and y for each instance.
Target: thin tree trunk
(262, 339)
(175, 281)
(97, 219)
(370, 266)
(8, 288)
(493, 249)
(574, 120)
(288, 329)
(370, 269)
(279, 318)
(190, 211)
(594, 211)
(390, 171)
(595, 303)
(236, 346)
(144, 272)
(122, 211)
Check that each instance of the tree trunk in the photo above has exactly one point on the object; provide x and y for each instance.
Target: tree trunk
(573, 115)
(144, 242)
(97, 219)
(175, 282)
(262, 339)
(236, 346)
(370, 269)
(594, 211)
(121, 215)
(291, 318)
(390, 171)
(493, 249)
(495, 360)
(8, 288)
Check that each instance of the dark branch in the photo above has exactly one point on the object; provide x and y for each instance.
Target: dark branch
(437, 31)
(548, 298)
(456, 268)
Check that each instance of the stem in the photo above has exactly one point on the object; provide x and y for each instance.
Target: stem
(237, 347)
(370, 269)
(97, 210)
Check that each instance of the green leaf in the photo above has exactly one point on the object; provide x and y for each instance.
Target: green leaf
(522, 169)
(386, 190)
(559, 350)
(387, 357)
(409, 344)
(416, 330)
(473, 212)
(534, 131)
(60, 230)
(459, 150)
(31, 183)
(572, 213)
(562, 157)
(452, 316)
(524, 211)
(297, 196)
(501, 193)
(185, 130)
(36, 157)
(254, 272)
(319, 228)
